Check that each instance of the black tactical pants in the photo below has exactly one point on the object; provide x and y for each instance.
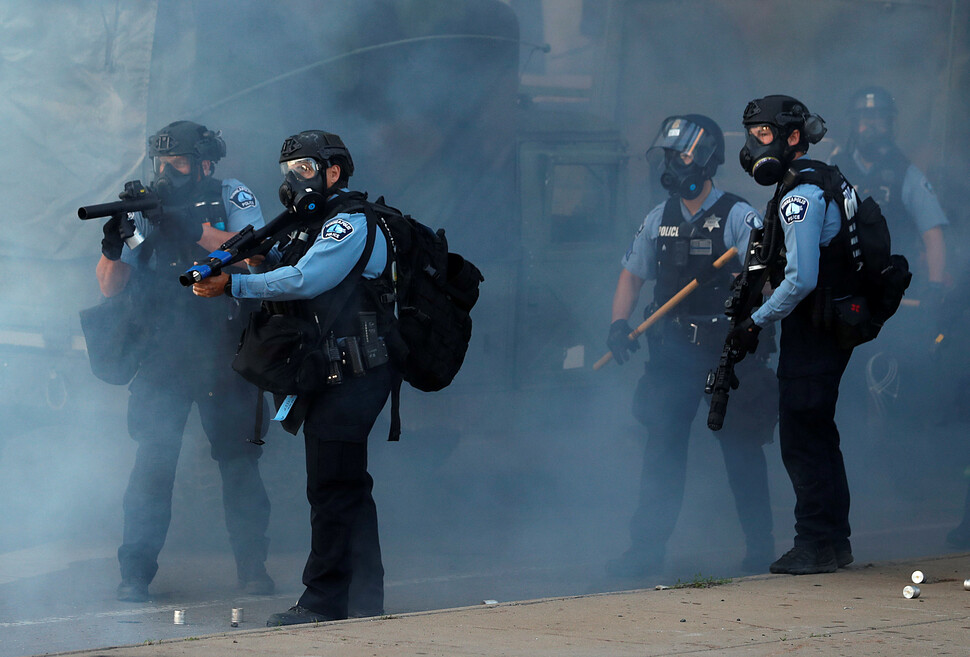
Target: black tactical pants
(158, 407)
(810, 368)
(666, 402)
(344, 574)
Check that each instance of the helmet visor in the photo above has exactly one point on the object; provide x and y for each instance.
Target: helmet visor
(304, 167)
(682, 136)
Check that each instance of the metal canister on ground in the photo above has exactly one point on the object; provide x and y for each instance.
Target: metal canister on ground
(178, 617)
(237, 616)
(910, 591)
(966, 585)
(918, 577)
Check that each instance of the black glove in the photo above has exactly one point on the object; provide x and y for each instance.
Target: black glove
(619, 341)
(113, 240)
(744, 338)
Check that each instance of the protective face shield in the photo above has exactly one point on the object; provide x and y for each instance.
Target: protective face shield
(304, 189)
(691, 152)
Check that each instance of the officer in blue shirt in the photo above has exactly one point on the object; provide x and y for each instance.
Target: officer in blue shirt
(811, 361)
(677, 242)
(910, 379)
(185, 357)
(344, 572)
(879, 169)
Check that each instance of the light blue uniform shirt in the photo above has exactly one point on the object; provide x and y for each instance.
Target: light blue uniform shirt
(641, 258)
(918, 197)
(334, 252)
(242, 209)
(808, 224)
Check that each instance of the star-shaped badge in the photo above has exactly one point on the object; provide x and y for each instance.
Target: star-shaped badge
(711, 223)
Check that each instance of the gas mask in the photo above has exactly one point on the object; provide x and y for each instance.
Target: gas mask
(873, 143)
(682, 179)
(172, 185)
(303, 189)
(766, 163)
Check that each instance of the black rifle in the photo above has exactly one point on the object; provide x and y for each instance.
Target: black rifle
(135, 198)
(762, 257)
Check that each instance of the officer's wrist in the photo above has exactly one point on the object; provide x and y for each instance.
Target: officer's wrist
(228, 287)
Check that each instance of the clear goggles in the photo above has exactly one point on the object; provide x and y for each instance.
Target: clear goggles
(685, 137)
(305, 167)
(181, 163)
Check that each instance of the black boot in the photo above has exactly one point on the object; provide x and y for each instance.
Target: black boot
(806, 560)
(296, 615)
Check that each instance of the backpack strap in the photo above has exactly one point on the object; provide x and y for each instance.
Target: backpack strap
(394, 433)
(346, 287)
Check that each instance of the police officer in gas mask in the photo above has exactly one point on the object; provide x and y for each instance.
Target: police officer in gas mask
(677, 242)
(186, 350)
(815, 270)
(328, 272)
(878, 168)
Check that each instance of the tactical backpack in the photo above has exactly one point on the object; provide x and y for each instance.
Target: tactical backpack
(426, 298)
(879, 278)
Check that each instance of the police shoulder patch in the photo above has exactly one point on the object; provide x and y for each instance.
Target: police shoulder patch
(751, 220)
(794, 208)
(336, 229)
(242, 198)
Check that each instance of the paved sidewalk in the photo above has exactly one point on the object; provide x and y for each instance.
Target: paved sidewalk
(857, 612)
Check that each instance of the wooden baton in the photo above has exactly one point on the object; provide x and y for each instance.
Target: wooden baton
(664, 309)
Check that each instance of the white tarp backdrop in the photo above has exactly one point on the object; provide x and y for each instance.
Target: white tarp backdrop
(74, 79)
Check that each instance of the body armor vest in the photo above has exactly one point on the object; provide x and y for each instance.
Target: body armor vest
(360, 299)
(835, 279)
(686, 250)
(186, 323)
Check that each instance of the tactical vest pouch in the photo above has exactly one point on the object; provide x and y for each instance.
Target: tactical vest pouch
(278, 353)
(116, 332)
(883, 279)
(853, 322)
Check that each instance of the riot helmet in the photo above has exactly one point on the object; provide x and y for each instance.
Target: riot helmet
(692, 147)
(766, 156)
(303, 160)
(872, 112)
(177, 152)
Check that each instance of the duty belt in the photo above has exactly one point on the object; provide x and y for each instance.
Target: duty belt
(697, 329)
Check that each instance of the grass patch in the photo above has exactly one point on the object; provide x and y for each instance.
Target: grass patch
(701, 582)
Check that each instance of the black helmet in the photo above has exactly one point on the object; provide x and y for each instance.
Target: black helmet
(324, 147)
(872, 101)
(766, 163)
(187, 138)
(874, 107)
(786, 114)
(695, 135)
